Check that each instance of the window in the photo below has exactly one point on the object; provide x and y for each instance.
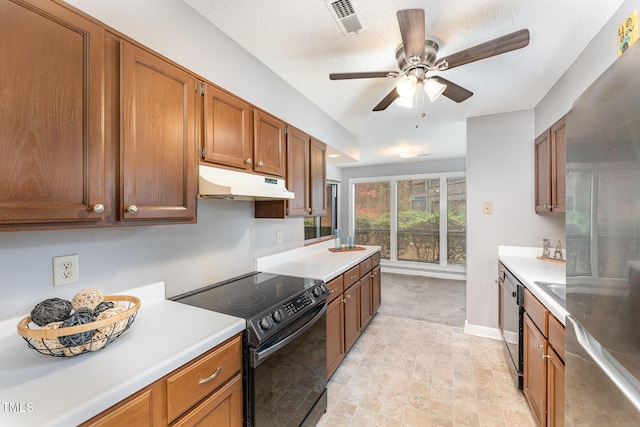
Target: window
(414, 218)
(321, 226)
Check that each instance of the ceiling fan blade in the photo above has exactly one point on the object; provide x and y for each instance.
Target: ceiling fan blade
(364, 75)
(411, 22)
(453, 91)
(388, 100)
(503, 44)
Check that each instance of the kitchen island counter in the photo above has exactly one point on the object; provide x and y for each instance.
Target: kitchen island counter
(522, 263)
(39, 390)
(315, 261)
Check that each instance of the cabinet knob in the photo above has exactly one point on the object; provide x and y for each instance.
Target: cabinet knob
(545, 356)
(132, 209)
(539, 345)
(98, 208)
(248, 161)
(260, 163)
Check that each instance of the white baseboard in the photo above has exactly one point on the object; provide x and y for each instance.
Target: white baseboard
(482, 331)
(425, 273)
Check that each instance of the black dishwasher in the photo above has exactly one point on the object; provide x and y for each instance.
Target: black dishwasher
(510, 321)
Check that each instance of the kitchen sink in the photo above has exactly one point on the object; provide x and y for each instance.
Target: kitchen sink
(557, 291)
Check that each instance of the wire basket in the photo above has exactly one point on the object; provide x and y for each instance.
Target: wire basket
(100, 332)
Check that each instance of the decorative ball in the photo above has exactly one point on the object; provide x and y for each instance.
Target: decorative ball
(98, 341)
(103, 306)
(116, 327)
(50, 310)
(81, 316)
(49, 345)
(87, 298)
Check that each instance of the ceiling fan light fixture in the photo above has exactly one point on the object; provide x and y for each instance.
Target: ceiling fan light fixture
(405, 102)
(407, 86)
(434, 88)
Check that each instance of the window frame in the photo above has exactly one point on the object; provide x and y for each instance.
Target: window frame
(443, 266)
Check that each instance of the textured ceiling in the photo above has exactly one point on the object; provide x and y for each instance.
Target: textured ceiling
(301, 42)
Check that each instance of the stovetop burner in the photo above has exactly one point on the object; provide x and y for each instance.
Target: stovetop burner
(266, 301)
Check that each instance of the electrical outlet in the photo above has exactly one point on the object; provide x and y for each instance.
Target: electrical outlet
(278, 237)
(488, 208)
(65, 270)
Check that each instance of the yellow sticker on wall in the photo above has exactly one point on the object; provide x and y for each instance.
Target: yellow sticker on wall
(628, 32)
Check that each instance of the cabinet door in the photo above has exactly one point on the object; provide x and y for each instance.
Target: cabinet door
(376, 295)
(227, 129)
(351, 316)
(366, 302)
(318, 184)
(51, 137)
(159, 164)
(543, 173)
(268, 144)
(222, 409)
(335, 335)
(555, 390)
(558, 167)
(535, 375)
(298, 172)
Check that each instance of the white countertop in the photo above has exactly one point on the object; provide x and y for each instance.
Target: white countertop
(39, 390)
(523, 264)
(314, 261)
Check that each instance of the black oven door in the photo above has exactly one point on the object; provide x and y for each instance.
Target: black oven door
(287, 375)
(510, 321)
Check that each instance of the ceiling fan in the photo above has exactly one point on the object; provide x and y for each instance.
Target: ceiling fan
(416, 56)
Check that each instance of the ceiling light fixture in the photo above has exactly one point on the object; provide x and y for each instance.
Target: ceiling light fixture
(407, 86)
(433, 88)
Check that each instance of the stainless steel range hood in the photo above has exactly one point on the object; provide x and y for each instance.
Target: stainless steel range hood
(219, 183)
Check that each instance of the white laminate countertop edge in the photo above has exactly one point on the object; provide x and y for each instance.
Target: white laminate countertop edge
(315, 261)
(522, 263)
(68, 391)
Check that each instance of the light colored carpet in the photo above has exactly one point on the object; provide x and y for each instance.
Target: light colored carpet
(432, 300)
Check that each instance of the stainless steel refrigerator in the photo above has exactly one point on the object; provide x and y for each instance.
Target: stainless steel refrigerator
(603, 249)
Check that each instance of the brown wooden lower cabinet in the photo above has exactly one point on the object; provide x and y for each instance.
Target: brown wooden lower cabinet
(544, 370)
(351, 315)
(212, 403)
(351, 306)
(335, 335)
(535, 377)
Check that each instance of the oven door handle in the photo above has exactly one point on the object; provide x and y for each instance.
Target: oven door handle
(259, 356)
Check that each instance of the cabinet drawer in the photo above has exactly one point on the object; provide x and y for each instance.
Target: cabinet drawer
(365, 266)
(190, 384)
(336, 286)
(375, 259)
(556, 335)
(351, 276)
(536, 311)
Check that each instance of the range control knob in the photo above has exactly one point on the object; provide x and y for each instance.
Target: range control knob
(277, 316)
(265, 323)
(324, 288)
(317, 292)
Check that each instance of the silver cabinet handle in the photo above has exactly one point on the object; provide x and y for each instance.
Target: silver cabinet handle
(333, 290)
(539, 345)
(132, 209)
(248, 161)
(98, 208)
(210, 377)
(545, 356)
(260, 163)
(348, 296)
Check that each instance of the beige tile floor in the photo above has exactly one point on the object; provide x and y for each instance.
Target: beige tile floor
(405, 372)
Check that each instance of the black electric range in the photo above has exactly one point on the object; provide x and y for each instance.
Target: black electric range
(284, 345)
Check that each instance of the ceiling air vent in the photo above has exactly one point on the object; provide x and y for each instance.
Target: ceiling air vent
(345, 15)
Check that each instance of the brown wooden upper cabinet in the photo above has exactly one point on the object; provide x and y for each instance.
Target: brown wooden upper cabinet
(306, 178)
(158, 152)
(551, 155)
(51, 137)
(269, 144)
(240, 136)
(228, 128)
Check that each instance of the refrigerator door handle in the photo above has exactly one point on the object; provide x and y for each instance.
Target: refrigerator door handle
(626, 382)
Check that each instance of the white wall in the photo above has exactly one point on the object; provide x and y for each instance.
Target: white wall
(227, 237)
(500, 170)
